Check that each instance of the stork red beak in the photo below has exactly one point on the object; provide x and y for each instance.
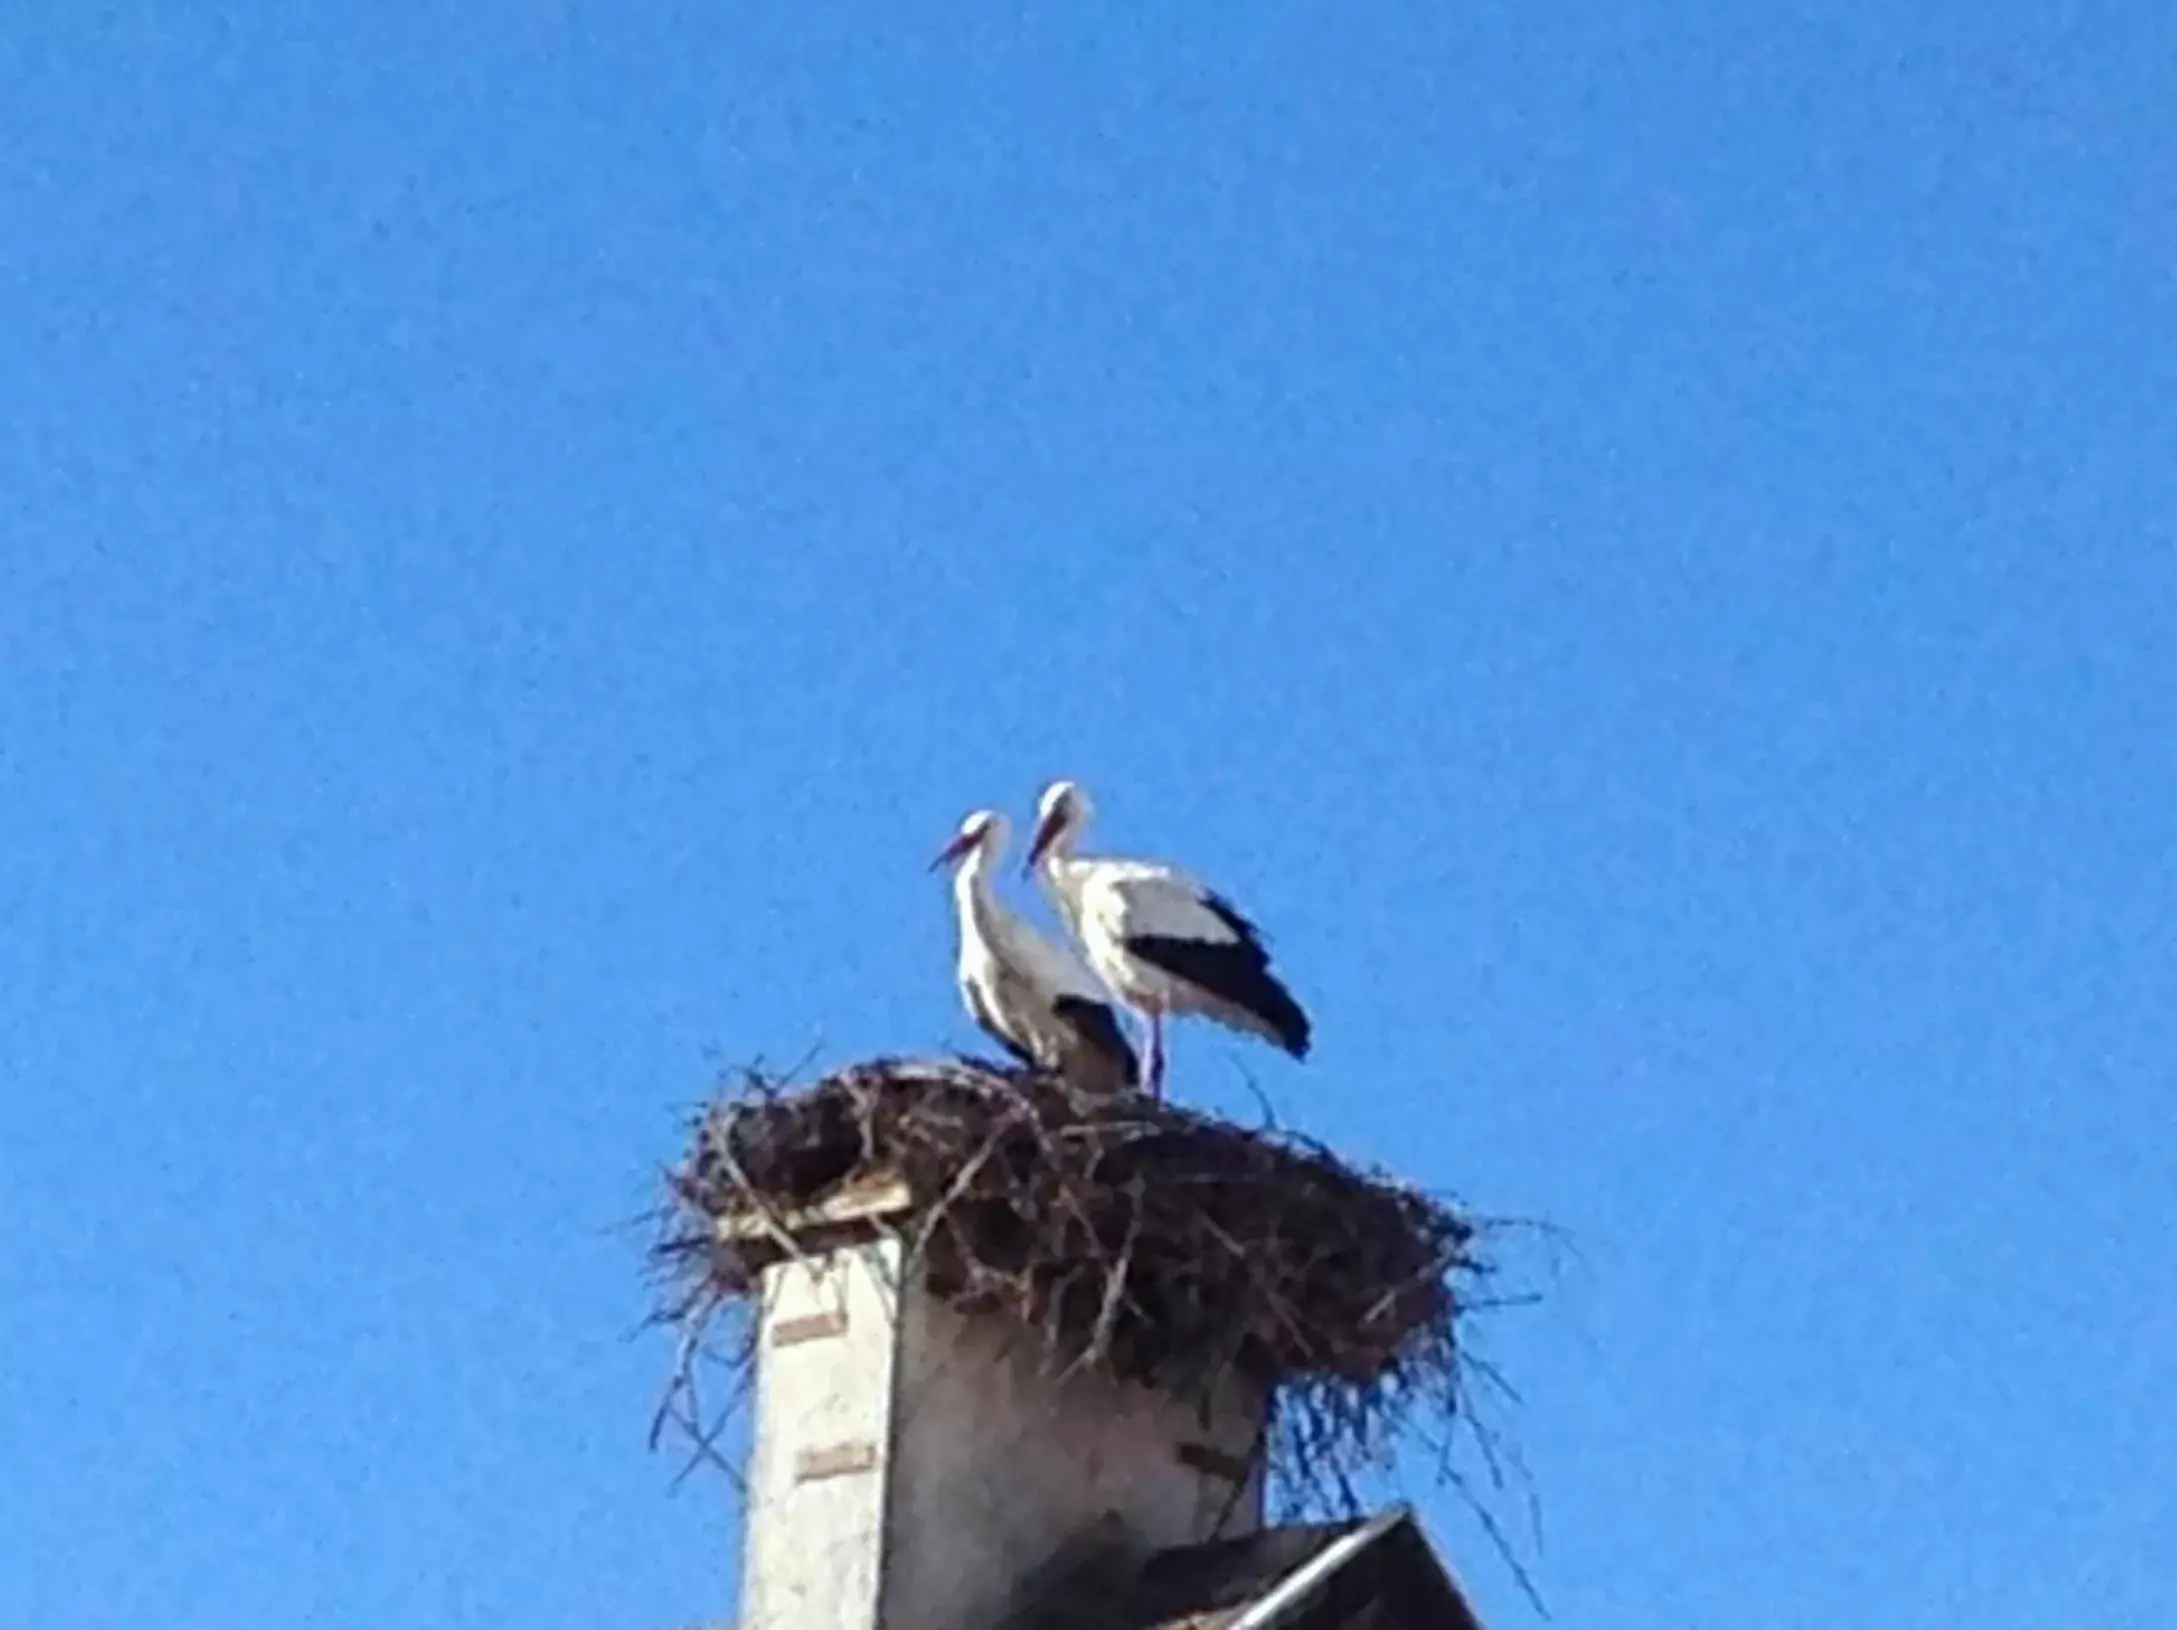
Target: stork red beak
(955, 849)
(1046, 830)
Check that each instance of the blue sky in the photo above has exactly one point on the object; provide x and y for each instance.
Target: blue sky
(1636, 538)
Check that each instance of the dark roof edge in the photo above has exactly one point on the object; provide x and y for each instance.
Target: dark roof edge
(1291, 1596)
(1291, 1593)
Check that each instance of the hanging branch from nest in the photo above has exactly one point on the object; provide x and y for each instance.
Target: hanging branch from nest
(1134, 1236)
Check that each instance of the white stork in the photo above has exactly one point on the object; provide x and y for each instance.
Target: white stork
(1034, 997)
(1158, 938)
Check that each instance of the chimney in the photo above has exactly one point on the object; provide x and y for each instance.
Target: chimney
(986, 1321)
(913, 1464)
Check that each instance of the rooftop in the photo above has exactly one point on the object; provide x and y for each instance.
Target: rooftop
(1381, 1574)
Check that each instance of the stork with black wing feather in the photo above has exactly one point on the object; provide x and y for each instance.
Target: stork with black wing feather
(1159, 939)
(1033, 996)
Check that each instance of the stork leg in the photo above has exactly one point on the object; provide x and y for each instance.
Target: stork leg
(1156, 1052)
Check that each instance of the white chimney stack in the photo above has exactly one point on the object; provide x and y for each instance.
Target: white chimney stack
(912, 1465)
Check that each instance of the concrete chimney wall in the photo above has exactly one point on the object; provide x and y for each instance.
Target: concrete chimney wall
(819, 1464)
(911, 1466)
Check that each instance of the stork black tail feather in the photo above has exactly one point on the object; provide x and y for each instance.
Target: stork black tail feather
(1236, 976)
(1284, 1015)
(1097, 1024)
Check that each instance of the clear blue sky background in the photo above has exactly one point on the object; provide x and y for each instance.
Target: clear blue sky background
(1636, 537)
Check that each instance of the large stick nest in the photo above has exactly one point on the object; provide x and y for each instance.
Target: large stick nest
(1160, 1244)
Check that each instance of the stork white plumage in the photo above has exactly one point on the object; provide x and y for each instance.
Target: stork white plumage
(1033, 996)
(1159, 939)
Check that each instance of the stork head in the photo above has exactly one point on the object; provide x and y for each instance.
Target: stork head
(1061, 813)
(983, 832)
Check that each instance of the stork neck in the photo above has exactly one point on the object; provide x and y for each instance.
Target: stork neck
(1061, 875)
(971, 889)
(1060, 864)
